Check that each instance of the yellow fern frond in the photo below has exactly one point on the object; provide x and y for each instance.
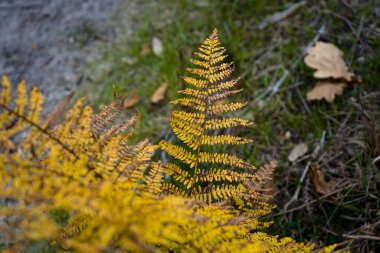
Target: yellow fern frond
(216, 192)
(222, 86)
(190, 117)
(6, 91)
(224, 139)
(179, 174)
(35, 109)
(225, 159)
(23, 114)
(179, 153)
(193, 92)
(209, 81)
(202, 73)
(154, 179)
(221, 108)
(191, 102)
(224, 94)
(218, 174)
(227, 123)
(74, 226)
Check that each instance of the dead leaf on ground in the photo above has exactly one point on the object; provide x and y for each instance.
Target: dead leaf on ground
(320, 184)
(297, 152)
(327, 59)
(157, 46)
(145, 50)
(133, 100)
(159, 94)
(325, 90)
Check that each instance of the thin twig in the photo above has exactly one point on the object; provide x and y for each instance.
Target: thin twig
(296, 193)
(278, 16)
(362, 237)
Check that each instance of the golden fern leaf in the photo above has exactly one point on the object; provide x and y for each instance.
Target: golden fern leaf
(203, 173)
(26, 111)
(74, 226)
(154, 179)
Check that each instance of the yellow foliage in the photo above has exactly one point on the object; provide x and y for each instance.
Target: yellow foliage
(110, 189)
(203, 174)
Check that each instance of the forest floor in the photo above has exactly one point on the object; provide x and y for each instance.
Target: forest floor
(330, 191)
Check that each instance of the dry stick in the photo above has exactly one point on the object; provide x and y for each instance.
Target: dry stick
(362, 237)
(274, 89)
(278, 16)
(311, 202)
(360, 29)
(296, 193)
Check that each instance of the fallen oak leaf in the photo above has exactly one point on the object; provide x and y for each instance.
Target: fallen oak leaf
(320, 184)
(325, 90)
(132, 101)
(327, 59)
(159, 94)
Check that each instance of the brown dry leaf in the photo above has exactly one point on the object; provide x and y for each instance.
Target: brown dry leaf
(325, 90)
(297, 152)
(159, 94)
(320, 184)
(145, 50)
(133, 100)
(327, 59)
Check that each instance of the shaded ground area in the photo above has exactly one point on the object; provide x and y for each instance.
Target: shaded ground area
(49, 42)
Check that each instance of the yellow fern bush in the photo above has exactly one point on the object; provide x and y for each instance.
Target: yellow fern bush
(86, 167)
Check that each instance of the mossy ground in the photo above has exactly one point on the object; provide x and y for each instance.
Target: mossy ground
(265, 56)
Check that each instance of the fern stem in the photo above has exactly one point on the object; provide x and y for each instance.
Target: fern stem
(203, 126)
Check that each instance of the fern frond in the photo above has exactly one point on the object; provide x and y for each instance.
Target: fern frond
(179, 174)
(224, 94)
(227, 123)
(172, 189)
(224, 139)
(6, 91)
(218, 174)
(191, 102)
(193, 92)
(221, 108)
(75, 225)
(222, 86)
(107, 115)
(209, 81)
(179, 153)
(202, 73)
(216, 192)
(154, 179)
(225, 159)
(190, 117)
(183, 124)
(25, 112)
